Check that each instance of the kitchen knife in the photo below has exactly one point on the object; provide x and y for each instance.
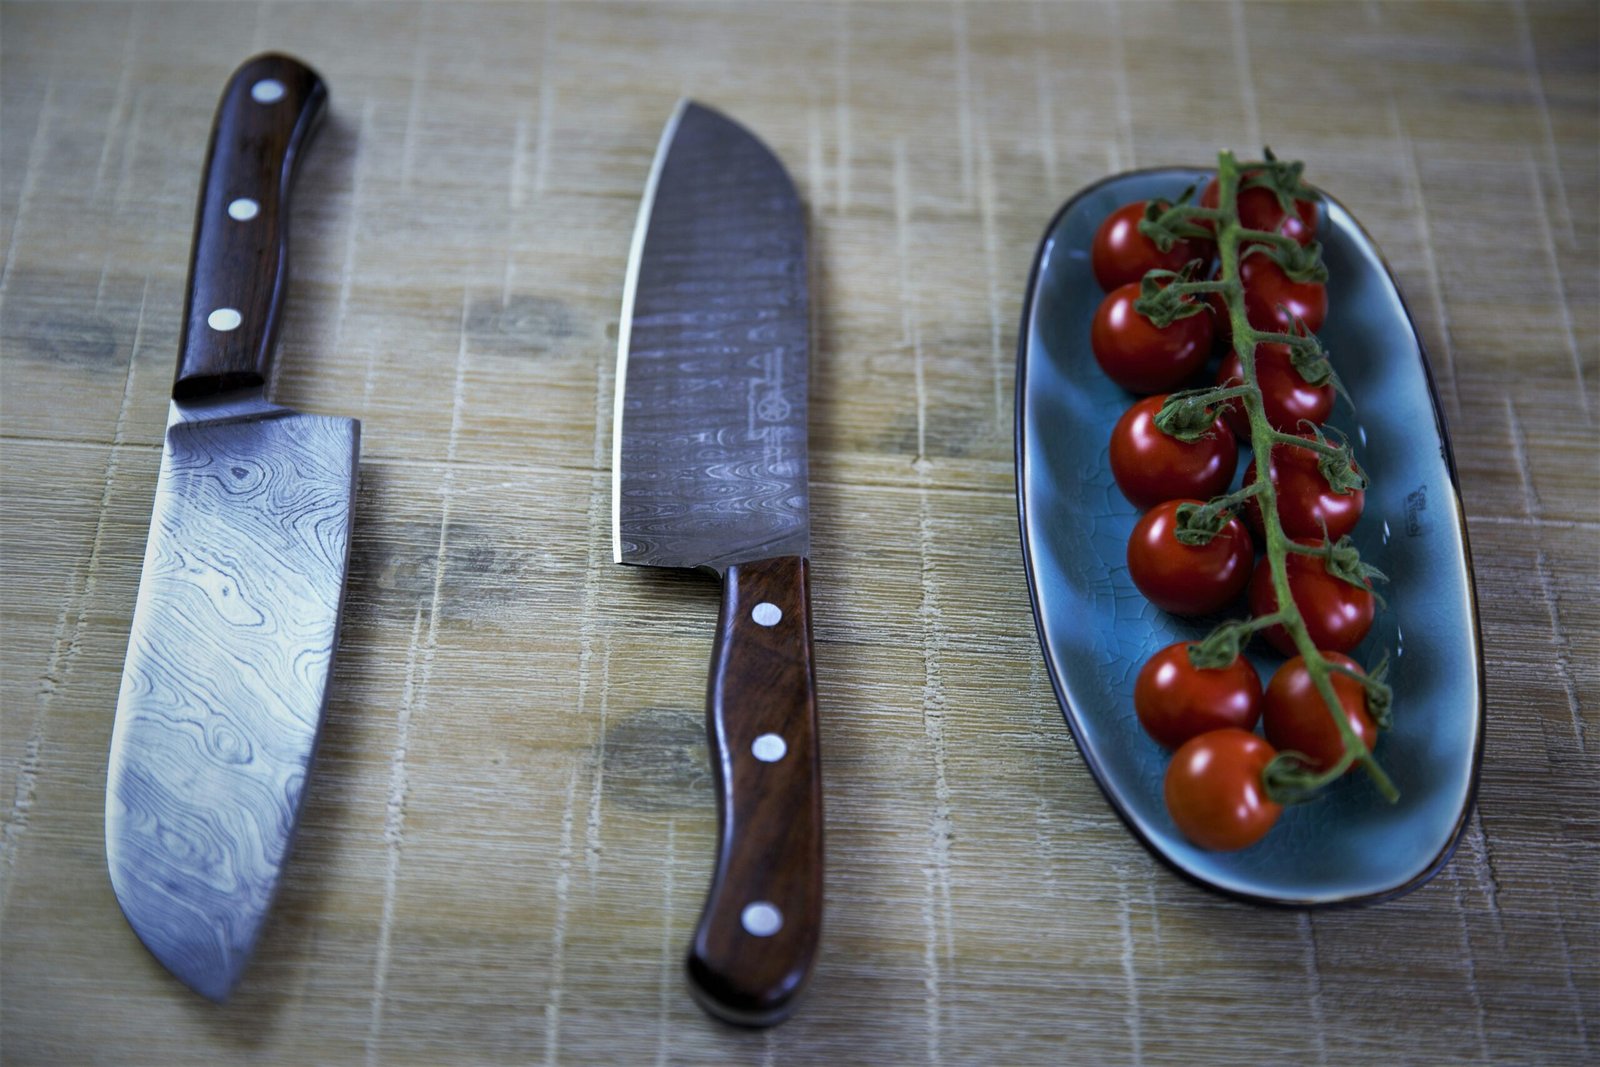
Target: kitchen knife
(226, 678)
(709, 472)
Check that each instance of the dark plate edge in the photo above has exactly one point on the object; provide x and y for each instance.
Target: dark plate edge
(1070, 714)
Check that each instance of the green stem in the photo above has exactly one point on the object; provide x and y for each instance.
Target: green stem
(1262, 438)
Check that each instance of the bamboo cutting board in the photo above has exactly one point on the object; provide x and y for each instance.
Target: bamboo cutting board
(510, 828)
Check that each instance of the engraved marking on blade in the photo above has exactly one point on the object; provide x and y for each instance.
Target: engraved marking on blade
(224, 319)
(766, 613)
(267, 91)
(761, 919)
(244, 209)
(769, 748)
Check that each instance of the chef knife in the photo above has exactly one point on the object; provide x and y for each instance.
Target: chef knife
(226, 678)
(709, 472)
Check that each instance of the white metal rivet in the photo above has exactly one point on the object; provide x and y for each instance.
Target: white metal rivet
(224, 319)
(769, 748)
(244, 209)
(761, 919)
(766, 613)
(267, 91)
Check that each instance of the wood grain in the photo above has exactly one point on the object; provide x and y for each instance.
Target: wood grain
(511, 827)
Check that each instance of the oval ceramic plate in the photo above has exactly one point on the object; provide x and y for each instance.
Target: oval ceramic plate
(1349, 846)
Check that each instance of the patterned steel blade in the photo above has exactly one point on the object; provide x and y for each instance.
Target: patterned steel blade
(226, 679)
(709, 452)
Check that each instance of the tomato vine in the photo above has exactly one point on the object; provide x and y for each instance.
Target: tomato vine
(1289, 777)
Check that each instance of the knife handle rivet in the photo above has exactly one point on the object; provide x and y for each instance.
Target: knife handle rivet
(244, 209)
(766, 613)
(769, 748)
(761, 919)
(267, 91)
(224, 319)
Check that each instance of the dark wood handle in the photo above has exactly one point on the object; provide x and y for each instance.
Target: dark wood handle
(757, 937)
(239, 265)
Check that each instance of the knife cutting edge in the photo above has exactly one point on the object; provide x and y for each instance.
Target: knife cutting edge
(710, 472)
(231, 647)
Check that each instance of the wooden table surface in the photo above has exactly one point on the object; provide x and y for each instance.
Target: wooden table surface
(510, 827)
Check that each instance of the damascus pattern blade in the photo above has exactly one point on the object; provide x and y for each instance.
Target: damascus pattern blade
(710, 451)
(226, 680)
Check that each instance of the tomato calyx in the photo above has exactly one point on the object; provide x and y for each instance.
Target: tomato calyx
(1223, 644)
(1299, 263)
(1168, 222)
(1380, 697)
(1191, 414)
(1343, 560)
(1164, 295)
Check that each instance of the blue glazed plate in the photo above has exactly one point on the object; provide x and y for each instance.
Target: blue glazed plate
(1349, 846)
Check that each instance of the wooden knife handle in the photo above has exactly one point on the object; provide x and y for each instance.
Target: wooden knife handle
(757, 937)
(239, 265)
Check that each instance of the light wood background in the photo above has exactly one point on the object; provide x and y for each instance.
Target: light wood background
(510, 828)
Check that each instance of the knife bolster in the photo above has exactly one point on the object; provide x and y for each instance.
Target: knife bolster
(757, 937)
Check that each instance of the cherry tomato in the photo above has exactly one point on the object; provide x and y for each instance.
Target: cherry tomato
(1121, 254)
(1214, 791)
(1151, 466)
(1272, 302)
(1287, 398)
(1297, 719)
(1259, 210)
(1306, 502)
(1337, 614)
(1175, 700)
(1138, 356)
(1187, 579)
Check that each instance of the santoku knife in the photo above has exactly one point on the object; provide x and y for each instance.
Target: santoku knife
(226, 679)
(709, 472)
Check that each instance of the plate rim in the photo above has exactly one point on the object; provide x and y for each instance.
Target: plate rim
(1069, 712)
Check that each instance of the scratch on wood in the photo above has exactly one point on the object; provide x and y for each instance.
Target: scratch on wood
(119, 103)
(964, 116)
(1247, 87)
(1473, 992)
(558, 932)
(1308, 937)
(30, 181)
(419, 79)
(517, 183)
(991, 269)
(930, 974)
(1483, 865)
(1413, 178)
(547, 105)
(1119, 71)
(347, 264)
(1560, 287)
(910, 334)
(1530, 57)
(1042, 97)
(841, 105)
(1562, 646)
(667, 980)
(593, 848)
(130, 150)
(1130, 976)
(66, 646)
(815, 176)
(393, 831)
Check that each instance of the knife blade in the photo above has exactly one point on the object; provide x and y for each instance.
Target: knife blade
(710, 472)
(225, 684)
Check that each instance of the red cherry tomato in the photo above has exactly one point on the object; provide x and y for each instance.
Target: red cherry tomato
(1306, 502)
(1175, 700)
(1297, 718)
(1121, 254)
(1337, 614)
(1286, 397)
(1272, 302)
(1259, 210)
(1214, 791)
(1151, 466)
(1187, 579)
(1138, 356)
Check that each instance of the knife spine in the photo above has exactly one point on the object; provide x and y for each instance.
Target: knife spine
(630, 288)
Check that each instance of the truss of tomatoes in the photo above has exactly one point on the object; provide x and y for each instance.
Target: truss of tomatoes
(1174, 453)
